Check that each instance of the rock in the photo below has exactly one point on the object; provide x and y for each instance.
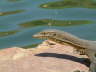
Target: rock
(45, 57)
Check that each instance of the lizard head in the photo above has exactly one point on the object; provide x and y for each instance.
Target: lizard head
(46, 34)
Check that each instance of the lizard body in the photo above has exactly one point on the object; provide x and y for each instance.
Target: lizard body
(86, 47)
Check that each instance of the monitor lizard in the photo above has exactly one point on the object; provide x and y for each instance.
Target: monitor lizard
(86, 47)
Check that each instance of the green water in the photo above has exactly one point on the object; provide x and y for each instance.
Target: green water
(20, 19)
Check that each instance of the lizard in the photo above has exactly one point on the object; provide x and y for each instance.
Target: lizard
(87, 46)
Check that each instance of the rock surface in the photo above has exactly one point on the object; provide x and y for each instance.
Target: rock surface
(43, 58)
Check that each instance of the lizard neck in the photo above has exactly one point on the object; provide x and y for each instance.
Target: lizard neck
(71, 40)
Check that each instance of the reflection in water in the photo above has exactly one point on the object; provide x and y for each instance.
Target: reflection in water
(2, 34)
(70, 4)
(30, 46)
(11, 12)
(13, 0)
(54, 23)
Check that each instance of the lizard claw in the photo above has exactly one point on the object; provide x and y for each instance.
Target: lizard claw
(78, 71)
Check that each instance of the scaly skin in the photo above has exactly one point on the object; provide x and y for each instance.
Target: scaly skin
(86, 47)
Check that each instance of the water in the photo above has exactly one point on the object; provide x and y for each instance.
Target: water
(20, 19)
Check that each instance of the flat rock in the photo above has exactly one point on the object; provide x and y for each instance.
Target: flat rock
(44, 58)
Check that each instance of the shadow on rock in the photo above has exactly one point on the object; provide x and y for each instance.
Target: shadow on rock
(84, 61)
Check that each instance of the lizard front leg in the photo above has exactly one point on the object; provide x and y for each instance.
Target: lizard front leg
(80, 51)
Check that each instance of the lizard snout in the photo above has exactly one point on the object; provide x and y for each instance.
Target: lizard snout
(35, 35)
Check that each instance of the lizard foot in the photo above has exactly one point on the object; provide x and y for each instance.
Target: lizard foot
(78, 71)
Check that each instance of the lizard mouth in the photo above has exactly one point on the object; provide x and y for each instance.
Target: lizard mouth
(40, 36)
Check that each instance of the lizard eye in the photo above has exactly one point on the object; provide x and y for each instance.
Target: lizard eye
(54, 34)
(43, 33)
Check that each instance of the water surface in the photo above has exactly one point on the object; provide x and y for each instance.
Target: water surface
(20, 19)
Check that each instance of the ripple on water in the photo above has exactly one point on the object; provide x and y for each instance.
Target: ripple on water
(7, 33)
(51, 22)
(69, 4)
(14, 0)
(11, 12)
